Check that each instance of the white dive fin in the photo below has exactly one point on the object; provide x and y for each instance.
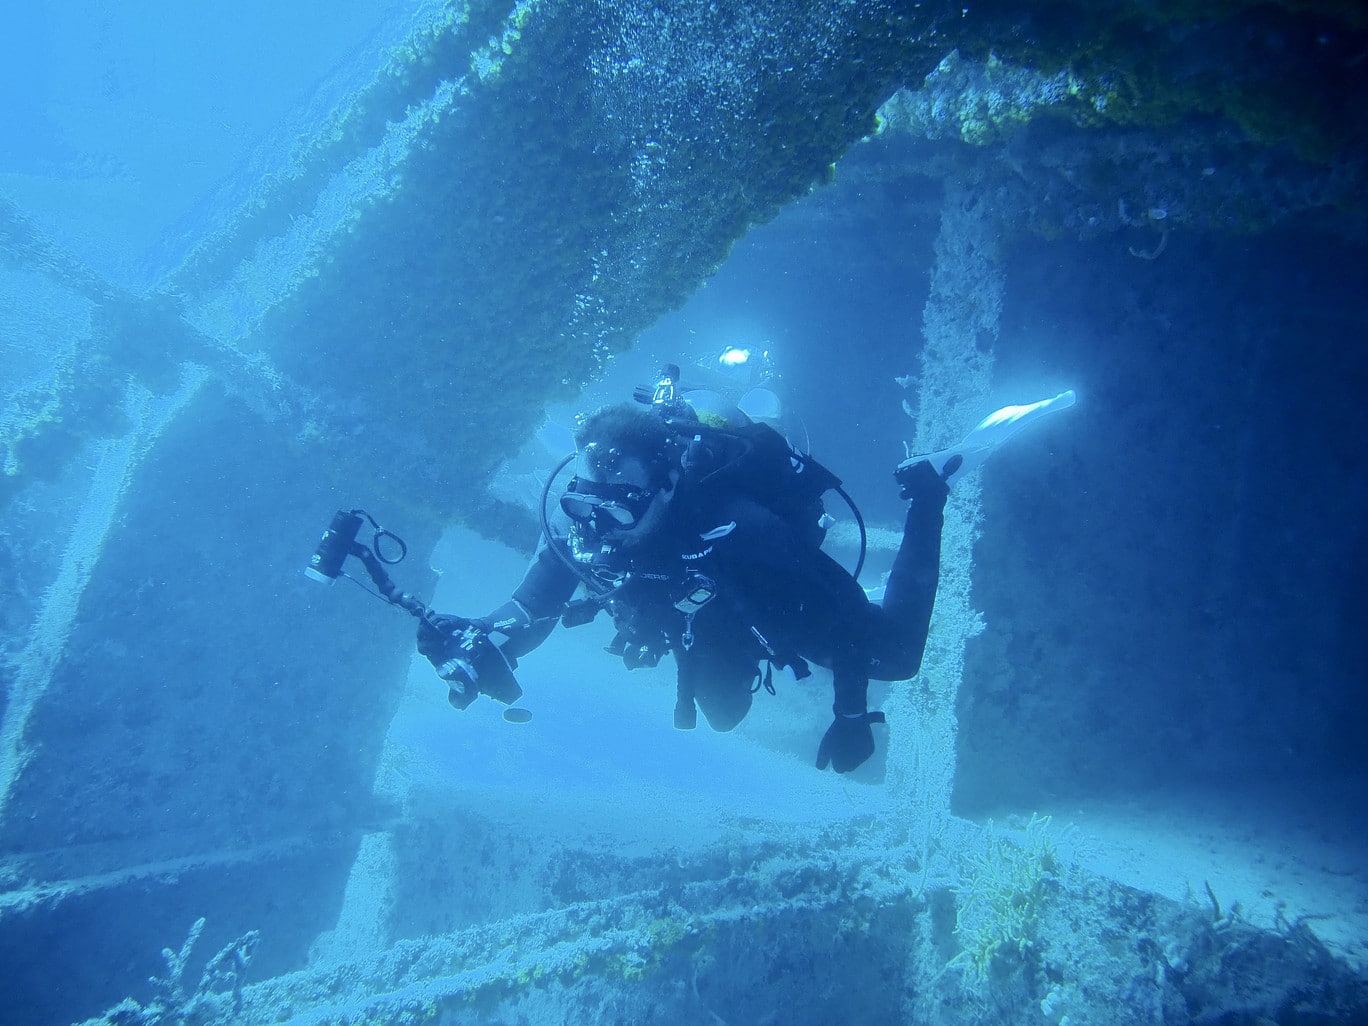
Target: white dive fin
(991, 432)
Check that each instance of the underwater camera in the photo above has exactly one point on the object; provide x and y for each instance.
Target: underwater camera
(471, 664)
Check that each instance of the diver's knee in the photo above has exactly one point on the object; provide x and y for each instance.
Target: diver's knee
(724, 712)
(903, 666)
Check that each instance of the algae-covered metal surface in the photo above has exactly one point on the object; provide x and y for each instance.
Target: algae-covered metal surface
(521, 189)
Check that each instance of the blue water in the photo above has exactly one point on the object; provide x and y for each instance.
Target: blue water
(124, 122)
(1170, 576)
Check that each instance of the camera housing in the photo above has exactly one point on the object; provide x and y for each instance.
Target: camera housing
(475, 666)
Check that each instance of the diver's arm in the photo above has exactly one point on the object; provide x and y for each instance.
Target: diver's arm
(529, 617)
(516, 627)
(849, 684)
(478, 656)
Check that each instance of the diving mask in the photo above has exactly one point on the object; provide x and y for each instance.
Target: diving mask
(605, 507)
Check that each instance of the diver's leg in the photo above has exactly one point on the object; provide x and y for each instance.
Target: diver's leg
(720, 682)
(910, 592)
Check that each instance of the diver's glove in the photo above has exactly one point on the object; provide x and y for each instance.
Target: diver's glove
(437, 633)
(848, 742)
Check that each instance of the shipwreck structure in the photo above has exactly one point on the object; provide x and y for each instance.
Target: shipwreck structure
(194, 734)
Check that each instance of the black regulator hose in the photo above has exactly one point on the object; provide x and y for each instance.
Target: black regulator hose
(551, 541)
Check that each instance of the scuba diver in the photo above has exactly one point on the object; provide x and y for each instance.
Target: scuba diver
(699, 531)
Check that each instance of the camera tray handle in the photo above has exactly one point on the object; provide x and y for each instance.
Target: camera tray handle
(485, 671)
(383, 583)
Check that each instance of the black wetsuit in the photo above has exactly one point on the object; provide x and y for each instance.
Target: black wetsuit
(777, 599)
